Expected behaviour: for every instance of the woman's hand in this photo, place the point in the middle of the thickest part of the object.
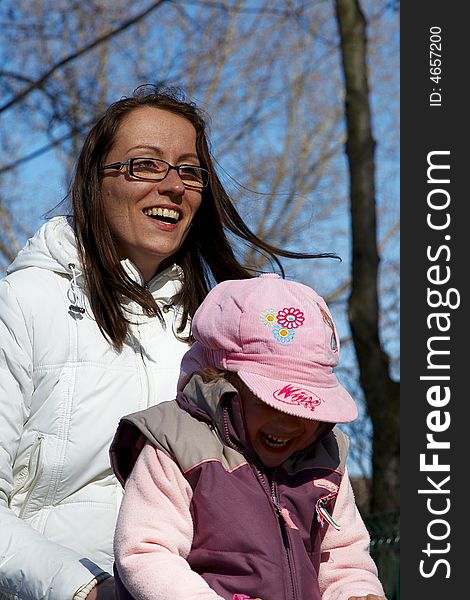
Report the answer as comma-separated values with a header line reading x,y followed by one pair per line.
x,y
103,591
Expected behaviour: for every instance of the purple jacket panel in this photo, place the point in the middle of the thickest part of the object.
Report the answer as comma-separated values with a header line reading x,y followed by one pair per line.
x,y
242,544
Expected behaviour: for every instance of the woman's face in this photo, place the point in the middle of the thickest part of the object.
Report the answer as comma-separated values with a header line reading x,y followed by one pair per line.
x,y
149,240
273,434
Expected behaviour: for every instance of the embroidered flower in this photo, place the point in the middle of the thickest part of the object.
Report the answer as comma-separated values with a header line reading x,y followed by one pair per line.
x,y
268,317
290,317
282,334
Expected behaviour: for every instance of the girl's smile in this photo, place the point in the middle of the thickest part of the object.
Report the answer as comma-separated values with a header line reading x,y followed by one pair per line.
x,y
274,435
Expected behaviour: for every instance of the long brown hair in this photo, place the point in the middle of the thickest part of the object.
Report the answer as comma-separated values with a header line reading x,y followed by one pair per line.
x,y
206,256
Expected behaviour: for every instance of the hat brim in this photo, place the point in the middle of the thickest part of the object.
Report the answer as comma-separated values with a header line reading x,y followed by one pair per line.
x,y
331,405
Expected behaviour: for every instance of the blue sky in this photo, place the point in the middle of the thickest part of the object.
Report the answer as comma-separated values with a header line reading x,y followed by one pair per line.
x,y
167,50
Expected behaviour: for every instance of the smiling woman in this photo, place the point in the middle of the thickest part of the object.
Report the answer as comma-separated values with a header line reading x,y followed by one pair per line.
x,y
149,208
95,316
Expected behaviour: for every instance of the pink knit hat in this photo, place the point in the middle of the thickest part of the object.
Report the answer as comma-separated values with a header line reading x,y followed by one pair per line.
x,y
279,337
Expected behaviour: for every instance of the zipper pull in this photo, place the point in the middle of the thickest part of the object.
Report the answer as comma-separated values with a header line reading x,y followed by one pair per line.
x,y
75,295
284,513
323,515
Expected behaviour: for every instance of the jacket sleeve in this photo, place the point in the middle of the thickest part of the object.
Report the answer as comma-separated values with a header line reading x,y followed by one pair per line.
x,y
348,569
154,533
31,566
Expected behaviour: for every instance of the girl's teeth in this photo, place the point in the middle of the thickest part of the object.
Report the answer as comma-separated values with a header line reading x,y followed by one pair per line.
x,y
275,442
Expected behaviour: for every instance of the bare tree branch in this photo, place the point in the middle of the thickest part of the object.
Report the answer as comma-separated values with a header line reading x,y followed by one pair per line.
x,y
339,291
74,55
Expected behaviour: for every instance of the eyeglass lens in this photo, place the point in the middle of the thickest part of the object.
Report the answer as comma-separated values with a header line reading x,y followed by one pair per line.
x,y
152,168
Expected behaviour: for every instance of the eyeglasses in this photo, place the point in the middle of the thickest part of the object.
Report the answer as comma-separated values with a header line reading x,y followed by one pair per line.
x,y
155,169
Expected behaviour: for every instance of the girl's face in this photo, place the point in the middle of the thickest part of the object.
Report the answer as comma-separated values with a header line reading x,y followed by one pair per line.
x,y
148,239
274,435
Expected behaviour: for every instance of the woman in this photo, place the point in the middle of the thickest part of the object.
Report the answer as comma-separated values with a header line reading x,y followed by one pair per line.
x,y
94,319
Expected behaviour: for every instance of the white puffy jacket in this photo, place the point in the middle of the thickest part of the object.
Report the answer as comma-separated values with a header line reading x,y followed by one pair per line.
x,y
63,389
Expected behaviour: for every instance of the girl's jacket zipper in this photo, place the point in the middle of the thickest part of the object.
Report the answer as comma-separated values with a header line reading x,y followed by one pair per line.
x,y
282,514
285,523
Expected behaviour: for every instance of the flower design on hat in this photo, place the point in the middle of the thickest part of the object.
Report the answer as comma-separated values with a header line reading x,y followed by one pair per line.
x,y
284,322
290,317
268,317
282,334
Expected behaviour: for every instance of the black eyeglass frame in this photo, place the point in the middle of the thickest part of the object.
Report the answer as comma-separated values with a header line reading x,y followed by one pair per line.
x,y
130,164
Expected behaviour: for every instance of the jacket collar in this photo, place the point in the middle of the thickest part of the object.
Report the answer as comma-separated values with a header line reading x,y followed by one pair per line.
x,y
218,401
53,247
163,287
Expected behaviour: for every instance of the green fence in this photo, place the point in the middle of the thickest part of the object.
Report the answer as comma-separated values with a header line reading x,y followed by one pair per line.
x,y
384,530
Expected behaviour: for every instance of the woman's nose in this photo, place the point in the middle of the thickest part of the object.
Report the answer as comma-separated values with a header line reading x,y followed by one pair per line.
x,y
172,184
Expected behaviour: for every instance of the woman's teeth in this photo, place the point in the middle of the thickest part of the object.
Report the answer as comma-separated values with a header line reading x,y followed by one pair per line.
x,y
164,214
274,441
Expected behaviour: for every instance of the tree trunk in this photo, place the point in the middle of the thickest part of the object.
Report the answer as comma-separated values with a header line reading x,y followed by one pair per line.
x,y
381,392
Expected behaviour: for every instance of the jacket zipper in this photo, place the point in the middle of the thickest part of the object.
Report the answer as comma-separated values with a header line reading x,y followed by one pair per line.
x,y
277,508
283,526
145,377
37,473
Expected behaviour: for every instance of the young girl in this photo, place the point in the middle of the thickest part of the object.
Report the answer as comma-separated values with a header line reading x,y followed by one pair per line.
x,y
240,488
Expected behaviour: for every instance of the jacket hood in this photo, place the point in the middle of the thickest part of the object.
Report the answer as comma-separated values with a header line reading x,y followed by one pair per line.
x,y
206,400
216,401
52,248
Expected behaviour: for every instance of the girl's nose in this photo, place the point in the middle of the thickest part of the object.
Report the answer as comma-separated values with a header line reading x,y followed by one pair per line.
x,y
290,422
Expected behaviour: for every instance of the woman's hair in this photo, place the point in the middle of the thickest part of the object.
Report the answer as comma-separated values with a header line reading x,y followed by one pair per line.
x,y
206,254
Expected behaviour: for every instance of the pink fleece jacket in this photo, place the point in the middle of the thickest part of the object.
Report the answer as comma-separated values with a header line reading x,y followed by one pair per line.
x,y
154,534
